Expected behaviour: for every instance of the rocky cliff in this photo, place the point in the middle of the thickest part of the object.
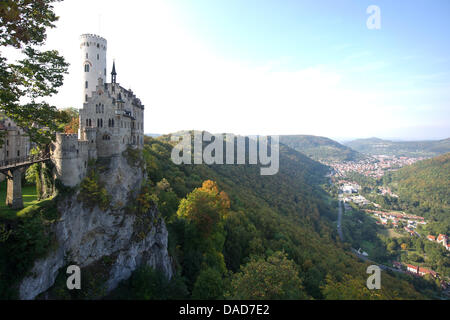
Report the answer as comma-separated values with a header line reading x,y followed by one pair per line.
x,y
88,235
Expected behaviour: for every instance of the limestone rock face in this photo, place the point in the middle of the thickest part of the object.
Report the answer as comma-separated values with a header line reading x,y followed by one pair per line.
x,y
87,235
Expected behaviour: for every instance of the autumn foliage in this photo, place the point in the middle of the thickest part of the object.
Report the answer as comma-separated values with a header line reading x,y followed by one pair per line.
x,y
205,207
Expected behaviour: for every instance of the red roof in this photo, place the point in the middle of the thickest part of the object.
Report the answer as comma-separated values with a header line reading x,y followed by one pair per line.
x,y
410,266
431,237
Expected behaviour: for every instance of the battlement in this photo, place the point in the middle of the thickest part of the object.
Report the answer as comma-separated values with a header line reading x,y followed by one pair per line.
x,y
91,36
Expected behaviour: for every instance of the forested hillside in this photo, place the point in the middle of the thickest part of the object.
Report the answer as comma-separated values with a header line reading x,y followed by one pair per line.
x,y
320,148
236,234
424,189
375,146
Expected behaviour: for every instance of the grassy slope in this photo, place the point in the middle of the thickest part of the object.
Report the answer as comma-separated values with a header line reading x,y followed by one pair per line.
x,y
29,195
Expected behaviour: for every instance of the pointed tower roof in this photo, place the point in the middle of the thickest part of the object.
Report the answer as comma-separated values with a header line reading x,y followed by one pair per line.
x,y
113,72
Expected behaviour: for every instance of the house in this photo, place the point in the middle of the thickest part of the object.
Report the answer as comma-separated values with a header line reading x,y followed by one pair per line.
x,y
397,264
447,247
420,271
431,238
412,269
424,271
442,238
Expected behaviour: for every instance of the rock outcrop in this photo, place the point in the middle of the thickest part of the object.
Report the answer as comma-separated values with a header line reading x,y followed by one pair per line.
x,y
85,235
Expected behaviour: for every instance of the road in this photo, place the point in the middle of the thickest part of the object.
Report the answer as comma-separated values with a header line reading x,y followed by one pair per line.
x,y
339,224
382,266
360,256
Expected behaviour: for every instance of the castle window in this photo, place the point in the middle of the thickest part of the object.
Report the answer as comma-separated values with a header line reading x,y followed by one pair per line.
x,y
90,123
86,67
98,46
86,97
98,56
87,122
86,84
101,123
87,56
18,153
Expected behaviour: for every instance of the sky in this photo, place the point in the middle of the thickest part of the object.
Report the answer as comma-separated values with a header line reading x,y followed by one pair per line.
x,y
271,67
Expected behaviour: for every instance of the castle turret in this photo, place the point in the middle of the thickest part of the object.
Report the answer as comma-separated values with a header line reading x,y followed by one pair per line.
x,y
93,55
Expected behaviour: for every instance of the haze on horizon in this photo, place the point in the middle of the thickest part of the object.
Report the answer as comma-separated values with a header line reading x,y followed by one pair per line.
x,y
271,67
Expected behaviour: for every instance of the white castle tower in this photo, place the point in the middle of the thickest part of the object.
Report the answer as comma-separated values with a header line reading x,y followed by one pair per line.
x,y
93,57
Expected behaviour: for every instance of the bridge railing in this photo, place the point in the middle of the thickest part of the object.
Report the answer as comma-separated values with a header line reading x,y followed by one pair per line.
x,y
20,160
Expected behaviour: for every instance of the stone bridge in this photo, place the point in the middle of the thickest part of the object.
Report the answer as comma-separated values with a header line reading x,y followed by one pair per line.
x,y
13,169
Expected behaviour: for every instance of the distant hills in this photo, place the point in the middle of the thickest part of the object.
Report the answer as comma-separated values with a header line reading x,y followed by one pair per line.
x,y
375,146
321,148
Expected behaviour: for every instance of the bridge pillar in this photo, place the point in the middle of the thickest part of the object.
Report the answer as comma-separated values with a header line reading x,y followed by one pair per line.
x,y
14,189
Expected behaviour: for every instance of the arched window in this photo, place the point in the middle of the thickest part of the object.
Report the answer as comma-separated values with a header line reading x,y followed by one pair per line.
x,y
86,67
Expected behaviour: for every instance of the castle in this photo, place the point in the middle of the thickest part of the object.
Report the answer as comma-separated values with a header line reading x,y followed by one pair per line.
x,y
111,120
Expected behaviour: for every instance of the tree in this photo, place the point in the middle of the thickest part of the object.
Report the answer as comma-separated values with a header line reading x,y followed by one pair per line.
x,y
275,278
205,207
208,286
70,121
25,83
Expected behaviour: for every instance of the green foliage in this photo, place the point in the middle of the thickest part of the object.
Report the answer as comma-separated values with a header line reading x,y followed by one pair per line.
x,y
29,238
320,148
424,189
276,278
287,212
149,284
92,192
24,83
209,285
